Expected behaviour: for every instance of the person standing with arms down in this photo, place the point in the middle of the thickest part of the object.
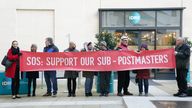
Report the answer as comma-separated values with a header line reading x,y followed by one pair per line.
x,y
123,76
13,71
104,76
32,76
143,75
71,75
50,76
182,54
88,74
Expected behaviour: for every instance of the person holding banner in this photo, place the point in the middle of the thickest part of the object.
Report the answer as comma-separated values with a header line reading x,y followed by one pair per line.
x,y
50,76
182,54
104,76
88,75
123,76
13,71
71,75
32,75
143,75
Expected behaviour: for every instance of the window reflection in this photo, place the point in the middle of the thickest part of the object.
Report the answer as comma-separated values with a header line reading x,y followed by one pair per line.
x,y
112,19
166,38
168,18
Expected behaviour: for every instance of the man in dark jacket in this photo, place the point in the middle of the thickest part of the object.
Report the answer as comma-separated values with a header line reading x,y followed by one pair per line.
x,y
71,75
50,76
182,53
123,76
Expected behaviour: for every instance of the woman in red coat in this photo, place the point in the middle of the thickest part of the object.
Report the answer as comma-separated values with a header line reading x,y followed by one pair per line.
x,y
13,71
143,75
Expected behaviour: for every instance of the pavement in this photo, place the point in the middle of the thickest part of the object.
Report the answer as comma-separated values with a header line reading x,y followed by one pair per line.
x,y
160,96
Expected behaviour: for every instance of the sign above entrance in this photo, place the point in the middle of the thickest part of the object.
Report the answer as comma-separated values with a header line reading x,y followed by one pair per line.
x,y
134,17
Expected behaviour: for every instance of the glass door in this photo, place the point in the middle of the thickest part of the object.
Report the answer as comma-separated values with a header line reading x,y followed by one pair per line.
x,y
136,38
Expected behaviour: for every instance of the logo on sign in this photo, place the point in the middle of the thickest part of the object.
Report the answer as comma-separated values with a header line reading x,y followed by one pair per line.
x,y
134,17
4,83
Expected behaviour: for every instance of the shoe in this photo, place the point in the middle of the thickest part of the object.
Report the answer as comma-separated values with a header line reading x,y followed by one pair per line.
x,y
106,95
140,94
73,95
28,95
90,94
119,94
47,94
87,94
183,95
34,94
128,93
69,95
54,95
101,94
17,96
14,97
146,94
177,94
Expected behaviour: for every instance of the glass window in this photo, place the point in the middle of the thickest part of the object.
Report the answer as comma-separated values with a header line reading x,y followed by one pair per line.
x,y
140,19
166,38
112,19
136,38
117,33
168,18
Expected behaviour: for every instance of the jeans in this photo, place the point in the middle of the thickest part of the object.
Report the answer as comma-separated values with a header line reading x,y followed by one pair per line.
x,y
146,85
88,85
51,81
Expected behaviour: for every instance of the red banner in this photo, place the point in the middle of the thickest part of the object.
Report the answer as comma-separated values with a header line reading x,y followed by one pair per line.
x,y
98,60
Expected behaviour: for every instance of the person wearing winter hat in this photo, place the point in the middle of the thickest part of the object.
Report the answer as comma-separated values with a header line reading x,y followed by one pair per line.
x,y
104,76
123,76
103,45
88,74
143,75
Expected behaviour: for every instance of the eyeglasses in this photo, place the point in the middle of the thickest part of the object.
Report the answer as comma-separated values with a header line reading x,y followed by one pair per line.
x,y
125,40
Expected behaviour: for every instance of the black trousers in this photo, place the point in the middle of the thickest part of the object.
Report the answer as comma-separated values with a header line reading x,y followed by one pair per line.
x,y
181,80
123,81
71,89
30,80
15,83
105,82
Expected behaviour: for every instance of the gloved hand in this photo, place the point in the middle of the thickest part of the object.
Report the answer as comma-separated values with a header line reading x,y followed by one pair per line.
x,y
20,54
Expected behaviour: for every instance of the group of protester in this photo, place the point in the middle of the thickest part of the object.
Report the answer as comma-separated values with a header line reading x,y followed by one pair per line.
x,y
182,53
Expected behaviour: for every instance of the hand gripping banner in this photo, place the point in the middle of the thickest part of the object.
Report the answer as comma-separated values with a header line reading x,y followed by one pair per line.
x,y
98,60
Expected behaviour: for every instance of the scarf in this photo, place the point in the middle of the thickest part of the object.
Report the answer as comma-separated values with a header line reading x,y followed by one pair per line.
x,y
15,51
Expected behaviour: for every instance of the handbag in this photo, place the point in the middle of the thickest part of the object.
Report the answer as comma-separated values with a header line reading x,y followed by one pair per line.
x,y
5,62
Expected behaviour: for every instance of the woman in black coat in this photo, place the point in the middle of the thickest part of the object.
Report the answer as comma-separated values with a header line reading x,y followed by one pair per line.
x,y
71,75
33,75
